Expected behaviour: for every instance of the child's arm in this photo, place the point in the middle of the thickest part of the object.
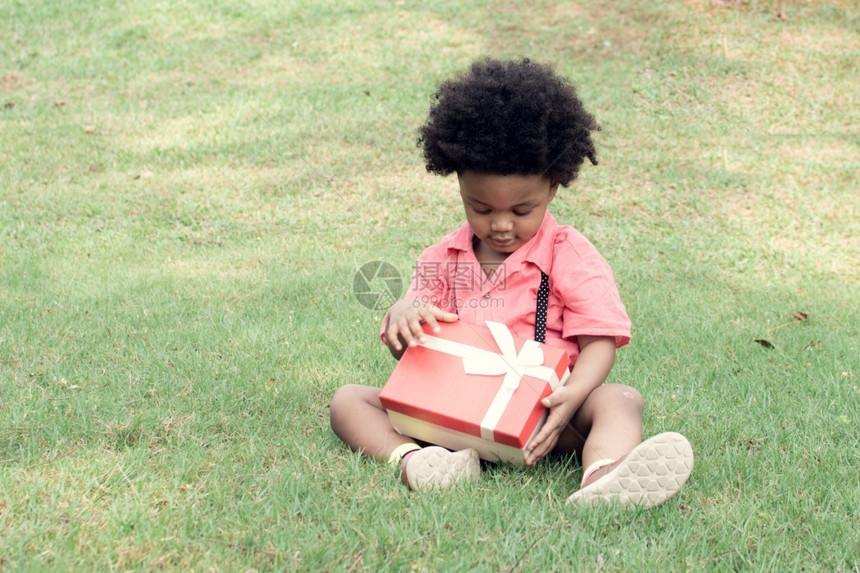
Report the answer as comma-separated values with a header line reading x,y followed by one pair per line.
x,y
595,361
404,324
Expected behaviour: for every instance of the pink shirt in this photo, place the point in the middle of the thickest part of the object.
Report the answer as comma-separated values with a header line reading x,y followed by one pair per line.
x,y
583,296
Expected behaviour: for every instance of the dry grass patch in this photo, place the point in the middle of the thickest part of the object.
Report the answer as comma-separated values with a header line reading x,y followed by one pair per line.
x,y
774,6
10,82
802,219
615,30
405,47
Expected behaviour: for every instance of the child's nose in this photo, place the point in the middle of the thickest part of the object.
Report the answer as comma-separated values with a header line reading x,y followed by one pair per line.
x,y
501,223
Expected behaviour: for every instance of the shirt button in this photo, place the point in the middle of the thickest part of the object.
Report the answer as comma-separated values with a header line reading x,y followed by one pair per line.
x,y
486,295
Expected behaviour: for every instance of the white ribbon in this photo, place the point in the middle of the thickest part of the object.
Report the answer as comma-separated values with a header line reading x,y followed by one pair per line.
x,y
528,362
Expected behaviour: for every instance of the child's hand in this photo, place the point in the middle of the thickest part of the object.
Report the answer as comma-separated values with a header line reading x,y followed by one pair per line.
x,y
404,322
596,357
563,404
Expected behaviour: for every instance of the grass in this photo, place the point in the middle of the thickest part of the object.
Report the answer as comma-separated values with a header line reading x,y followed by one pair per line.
x,y
188,189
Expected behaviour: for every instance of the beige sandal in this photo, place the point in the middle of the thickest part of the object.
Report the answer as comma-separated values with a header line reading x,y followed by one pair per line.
x,y
650,474
435,467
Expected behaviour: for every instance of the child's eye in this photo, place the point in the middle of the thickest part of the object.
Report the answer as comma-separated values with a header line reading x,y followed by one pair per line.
x,y
481,211
522,213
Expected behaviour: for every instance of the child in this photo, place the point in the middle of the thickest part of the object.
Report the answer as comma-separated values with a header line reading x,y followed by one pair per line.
x,y
513,132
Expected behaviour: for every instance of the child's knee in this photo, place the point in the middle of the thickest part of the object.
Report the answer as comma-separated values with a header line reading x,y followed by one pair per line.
x,y
347,398
634,397
626,395
343,397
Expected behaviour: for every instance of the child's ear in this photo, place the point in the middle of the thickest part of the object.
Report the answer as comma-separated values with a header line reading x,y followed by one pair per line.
x,y
553,188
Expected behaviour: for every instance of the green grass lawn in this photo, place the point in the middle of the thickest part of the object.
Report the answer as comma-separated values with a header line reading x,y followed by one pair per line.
x,y
188,188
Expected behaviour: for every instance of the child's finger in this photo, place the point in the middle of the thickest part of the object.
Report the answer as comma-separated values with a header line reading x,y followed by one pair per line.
x,y
435,314
556,398
537,453
537,440
393,335
416,333
405,328
430,319
445,316
544,440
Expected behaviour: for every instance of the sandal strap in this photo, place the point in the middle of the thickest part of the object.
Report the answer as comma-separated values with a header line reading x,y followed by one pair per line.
x,y
594,467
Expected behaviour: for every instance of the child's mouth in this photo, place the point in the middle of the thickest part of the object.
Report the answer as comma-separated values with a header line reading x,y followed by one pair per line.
x,y
502,242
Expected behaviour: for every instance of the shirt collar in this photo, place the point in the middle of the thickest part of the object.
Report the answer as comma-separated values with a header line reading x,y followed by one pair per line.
x,y
538,250
462,239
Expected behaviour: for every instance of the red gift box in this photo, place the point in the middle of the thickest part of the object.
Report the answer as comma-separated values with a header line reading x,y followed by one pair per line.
x,y
475,387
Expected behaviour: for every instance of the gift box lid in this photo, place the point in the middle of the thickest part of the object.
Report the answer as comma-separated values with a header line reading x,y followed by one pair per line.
x,y
432,382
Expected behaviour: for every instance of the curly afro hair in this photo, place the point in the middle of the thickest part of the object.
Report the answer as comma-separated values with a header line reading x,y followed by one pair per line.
x,y
508,118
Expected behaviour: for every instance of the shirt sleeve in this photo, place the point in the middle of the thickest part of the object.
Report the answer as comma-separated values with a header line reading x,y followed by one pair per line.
x,y
582,278
429,282
430,278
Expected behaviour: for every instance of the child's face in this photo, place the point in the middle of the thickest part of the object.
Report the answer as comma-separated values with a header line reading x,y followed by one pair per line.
x,y
505,211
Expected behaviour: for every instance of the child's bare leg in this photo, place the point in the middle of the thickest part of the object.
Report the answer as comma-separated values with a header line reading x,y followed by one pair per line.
x,y
611,420
618,465
606,427
358,418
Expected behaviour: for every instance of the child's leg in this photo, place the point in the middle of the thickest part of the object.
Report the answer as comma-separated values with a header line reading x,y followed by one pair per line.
x,y
606,426
610,421
358,418
617,464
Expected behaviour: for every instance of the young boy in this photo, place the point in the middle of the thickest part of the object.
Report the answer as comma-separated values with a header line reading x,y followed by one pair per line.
x,y
513,132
